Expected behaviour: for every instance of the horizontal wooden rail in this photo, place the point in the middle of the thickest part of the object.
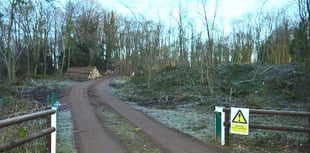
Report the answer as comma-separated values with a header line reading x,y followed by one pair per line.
x,y
20,119
280,128
28,117
275,112
227,111
15,143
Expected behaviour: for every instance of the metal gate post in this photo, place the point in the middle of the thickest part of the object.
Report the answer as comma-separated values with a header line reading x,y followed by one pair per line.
x,y
219,124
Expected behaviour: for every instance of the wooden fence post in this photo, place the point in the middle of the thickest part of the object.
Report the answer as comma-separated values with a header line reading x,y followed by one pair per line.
x,y
227,126
309,132
48,137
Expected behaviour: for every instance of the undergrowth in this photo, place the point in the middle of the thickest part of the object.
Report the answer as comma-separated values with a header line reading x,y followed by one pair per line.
x,y
273,87
253,84
13,106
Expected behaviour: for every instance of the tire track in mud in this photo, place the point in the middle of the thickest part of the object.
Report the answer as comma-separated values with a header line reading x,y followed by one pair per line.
x,y
90,137
130,136
93,106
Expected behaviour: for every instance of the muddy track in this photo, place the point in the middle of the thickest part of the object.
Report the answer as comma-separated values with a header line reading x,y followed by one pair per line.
x,y
91,137
130,136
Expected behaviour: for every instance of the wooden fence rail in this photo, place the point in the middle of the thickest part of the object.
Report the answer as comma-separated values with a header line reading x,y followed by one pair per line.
x,y
24,118
269,127
16,143
16,120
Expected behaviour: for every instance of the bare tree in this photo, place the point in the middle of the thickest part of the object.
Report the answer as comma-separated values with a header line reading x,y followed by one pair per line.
x,y
26,26
183,53
69,27
46,35
207,58
110,29
243,40
304,11
275,47
304,15
11,52
147,41
86,30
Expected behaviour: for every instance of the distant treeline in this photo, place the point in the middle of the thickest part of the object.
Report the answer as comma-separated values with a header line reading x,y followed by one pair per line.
x,y
38,37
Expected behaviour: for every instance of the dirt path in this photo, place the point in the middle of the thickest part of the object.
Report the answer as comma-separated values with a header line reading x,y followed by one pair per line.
x,y
89,136
92,138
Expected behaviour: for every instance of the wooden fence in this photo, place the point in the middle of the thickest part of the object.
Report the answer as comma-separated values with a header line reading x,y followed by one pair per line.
x,y
269,127
20,119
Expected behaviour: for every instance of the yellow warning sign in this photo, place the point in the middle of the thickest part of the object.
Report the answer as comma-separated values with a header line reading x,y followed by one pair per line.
x,y
240,121
239,129
239,118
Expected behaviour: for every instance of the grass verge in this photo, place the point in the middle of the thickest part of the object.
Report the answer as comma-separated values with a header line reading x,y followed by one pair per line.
x,y
134,140
65,137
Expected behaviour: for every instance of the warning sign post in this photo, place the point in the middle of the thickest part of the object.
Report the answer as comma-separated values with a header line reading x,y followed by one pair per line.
x,y
239,123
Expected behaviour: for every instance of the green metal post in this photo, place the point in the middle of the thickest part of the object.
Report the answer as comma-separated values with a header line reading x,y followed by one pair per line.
x,y
54,98
218,123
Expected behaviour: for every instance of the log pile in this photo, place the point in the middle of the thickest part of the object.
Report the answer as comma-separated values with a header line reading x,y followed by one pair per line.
x,y
94,74
108,72
90,72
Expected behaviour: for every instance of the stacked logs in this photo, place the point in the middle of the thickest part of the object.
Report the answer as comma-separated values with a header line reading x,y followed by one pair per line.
x,y
94,74
90,72
108,72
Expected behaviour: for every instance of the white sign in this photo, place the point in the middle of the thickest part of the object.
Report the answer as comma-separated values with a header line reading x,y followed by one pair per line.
x,y
239,121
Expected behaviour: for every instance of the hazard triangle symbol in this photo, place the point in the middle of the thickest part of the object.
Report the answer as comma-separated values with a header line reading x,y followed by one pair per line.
x,y
239,118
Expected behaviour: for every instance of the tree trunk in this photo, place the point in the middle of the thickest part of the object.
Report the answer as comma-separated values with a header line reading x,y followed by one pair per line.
x,y
63,60
45,52
9,54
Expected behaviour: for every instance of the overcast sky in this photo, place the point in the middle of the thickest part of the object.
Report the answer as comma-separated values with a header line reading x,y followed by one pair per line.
x,y
164,10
